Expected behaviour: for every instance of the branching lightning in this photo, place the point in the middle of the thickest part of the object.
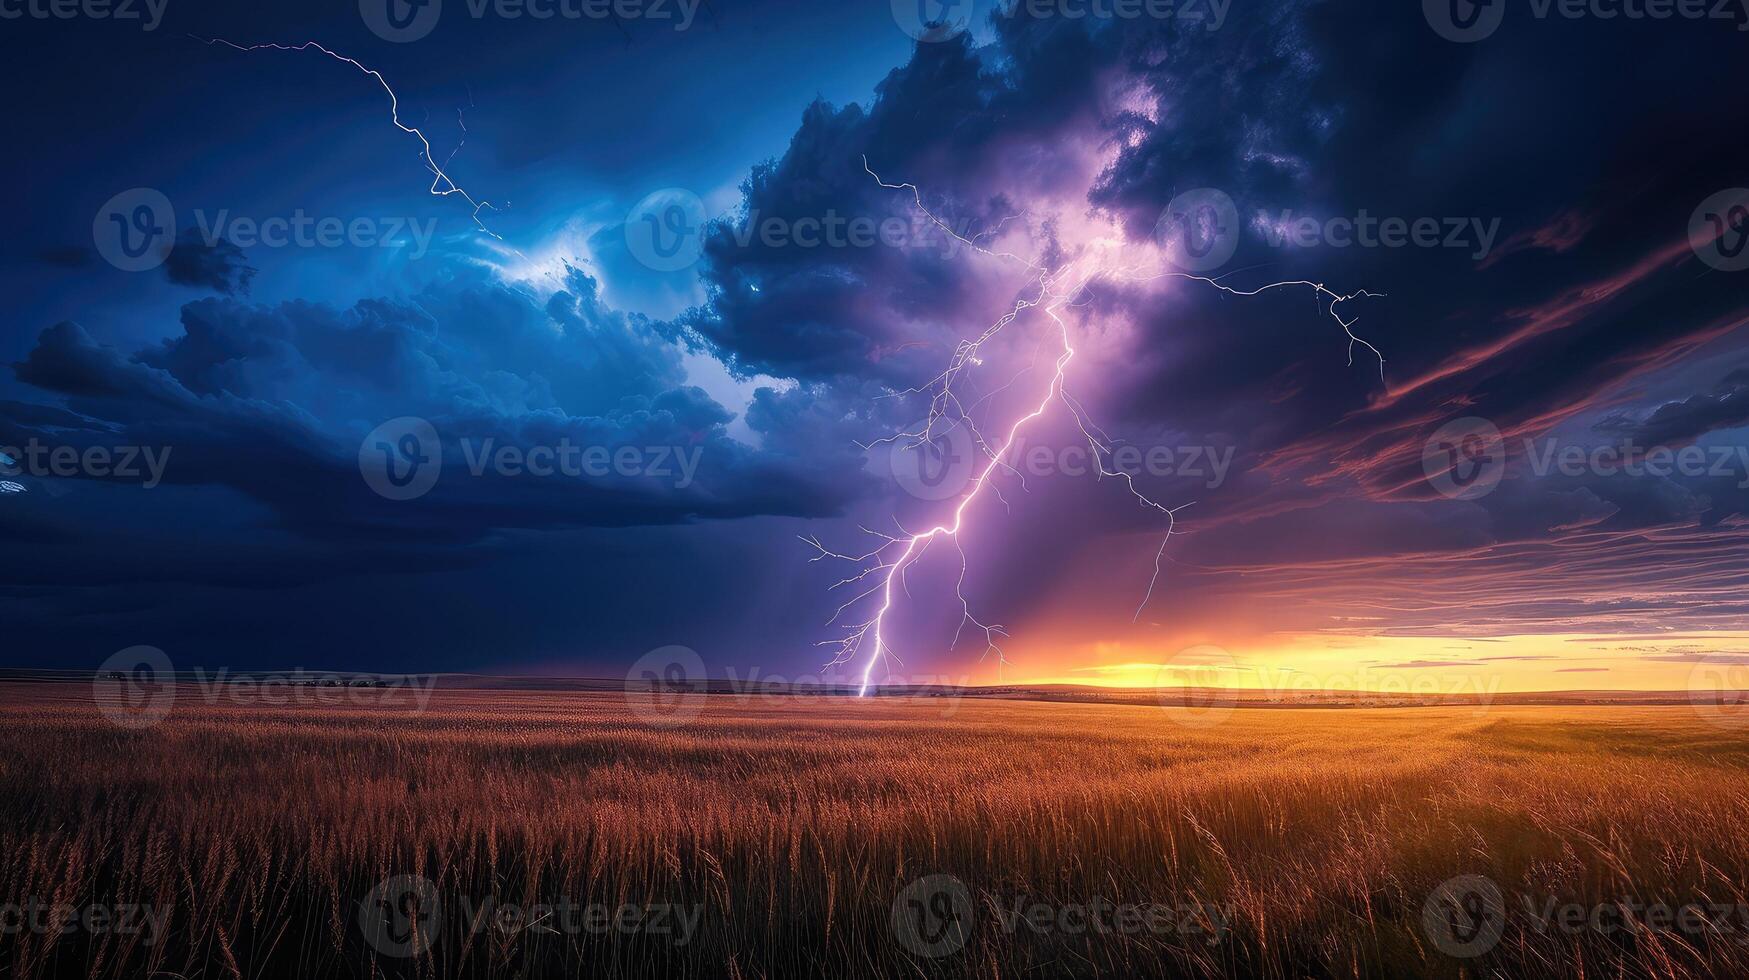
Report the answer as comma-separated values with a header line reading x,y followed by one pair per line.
x,y
1051,290
442,184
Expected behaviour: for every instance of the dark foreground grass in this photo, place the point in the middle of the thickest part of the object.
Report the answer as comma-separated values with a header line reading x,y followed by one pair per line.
x,y
507,834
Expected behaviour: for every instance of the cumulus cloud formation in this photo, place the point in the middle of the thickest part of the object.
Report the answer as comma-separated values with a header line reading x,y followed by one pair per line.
x,y
1583,310
272,402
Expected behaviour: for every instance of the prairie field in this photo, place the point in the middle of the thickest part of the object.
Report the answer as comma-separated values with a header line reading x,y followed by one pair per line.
x,y
529,833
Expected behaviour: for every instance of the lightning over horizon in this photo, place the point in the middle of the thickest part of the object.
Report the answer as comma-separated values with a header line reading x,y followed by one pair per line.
x,y
1055,340
1057,289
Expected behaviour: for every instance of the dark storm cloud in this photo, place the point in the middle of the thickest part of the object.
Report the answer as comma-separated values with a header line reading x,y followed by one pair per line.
x,y
1585,290
1589,296
67,256
949,122
1682,422
272,401
216,265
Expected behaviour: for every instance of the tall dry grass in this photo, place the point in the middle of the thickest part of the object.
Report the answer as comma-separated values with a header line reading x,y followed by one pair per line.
x,y
794,823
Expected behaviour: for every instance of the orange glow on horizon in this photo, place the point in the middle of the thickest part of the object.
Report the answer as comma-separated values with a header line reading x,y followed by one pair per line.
x,y
1397,664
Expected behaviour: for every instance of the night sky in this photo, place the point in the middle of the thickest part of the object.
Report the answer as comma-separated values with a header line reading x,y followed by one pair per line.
x,y
1572,307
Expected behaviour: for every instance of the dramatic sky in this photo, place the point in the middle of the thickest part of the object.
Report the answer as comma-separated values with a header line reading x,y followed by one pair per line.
x,y
1562,300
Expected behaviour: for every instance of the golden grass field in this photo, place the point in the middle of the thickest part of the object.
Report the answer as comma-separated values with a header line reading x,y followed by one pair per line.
x,y
1289,842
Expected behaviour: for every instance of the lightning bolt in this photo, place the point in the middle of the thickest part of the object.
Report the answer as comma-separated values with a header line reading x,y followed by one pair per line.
x,y
442,184
1056,289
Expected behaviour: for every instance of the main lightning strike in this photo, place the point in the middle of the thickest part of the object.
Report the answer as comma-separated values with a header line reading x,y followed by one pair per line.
x,y
1056,289
442,184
